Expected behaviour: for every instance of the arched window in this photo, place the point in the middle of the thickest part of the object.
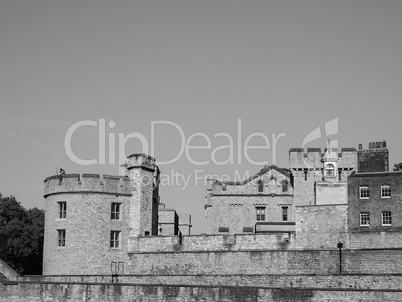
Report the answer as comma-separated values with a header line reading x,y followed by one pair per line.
x,y
330,170
285,186
260,186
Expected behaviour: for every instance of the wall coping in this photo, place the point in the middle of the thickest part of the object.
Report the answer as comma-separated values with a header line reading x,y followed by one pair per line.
x,y
218,286
335,249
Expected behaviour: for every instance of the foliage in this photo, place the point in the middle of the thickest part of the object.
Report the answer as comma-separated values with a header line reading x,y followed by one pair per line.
x,y
398,167
24,231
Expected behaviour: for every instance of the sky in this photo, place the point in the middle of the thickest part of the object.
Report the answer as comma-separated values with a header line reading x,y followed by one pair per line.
x,y
186,73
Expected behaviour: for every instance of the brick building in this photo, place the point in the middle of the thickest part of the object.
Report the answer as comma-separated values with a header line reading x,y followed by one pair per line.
x,y
375,159
375,201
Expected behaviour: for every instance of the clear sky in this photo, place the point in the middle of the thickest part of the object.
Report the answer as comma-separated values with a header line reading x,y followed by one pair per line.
x,y
277,66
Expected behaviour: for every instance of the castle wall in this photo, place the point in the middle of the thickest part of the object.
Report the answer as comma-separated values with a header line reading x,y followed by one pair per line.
x,y
87,223
321,226
356,261
211,243
66,292
364,281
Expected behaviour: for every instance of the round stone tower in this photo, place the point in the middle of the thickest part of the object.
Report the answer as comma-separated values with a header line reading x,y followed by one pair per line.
x,y
89,218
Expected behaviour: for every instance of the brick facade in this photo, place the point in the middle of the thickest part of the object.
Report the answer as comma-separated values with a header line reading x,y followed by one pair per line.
x,y
375,159
375,204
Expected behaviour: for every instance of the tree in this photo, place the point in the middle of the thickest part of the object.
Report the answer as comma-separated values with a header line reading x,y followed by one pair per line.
x,y
398,167
24,231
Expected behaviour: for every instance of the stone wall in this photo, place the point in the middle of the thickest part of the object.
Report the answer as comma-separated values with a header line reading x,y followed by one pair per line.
x,y
211,243
87,225
321,226
239,211
376,261
66,292
381,281
331,193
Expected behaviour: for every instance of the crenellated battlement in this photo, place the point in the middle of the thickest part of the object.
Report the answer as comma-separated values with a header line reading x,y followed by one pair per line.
x,y
140,160
88,183
312,159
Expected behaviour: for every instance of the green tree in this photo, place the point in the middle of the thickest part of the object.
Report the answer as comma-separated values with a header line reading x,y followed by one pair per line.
x,y
24,231
398,167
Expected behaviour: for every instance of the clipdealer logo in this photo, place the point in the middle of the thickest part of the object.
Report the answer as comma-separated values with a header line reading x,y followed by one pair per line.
x,y
241,147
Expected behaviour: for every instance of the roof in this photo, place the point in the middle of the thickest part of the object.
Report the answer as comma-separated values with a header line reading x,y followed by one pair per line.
x,y
263,171
374,174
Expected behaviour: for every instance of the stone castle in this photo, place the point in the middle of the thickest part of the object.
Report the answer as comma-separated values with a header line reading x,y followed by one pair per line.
x,y
325,228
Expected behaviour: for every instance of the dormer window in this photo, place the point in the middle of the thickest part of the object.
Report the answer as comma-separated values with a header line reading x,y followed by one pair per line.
x,y
260,186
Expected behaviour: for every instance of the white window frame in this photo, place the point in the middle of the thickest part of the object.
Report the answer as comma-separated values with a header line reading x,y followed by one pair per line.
x,y
115,211
61,238
62,209
361,191
115,239
383,217
367,215
386,189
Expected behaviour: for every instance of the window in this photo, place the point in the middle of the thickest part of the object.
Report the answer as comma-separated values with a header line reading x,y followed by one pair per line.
x,y
330,170
115,213
386,218
364,192
260,186
385,191
285,186
284,213
364,219
62,209
61,237
223,186
115,239
260,213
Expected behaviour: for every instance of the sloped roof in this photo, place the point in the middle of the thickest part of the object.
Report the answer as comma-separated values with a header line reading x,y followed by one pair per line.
x,y
263,171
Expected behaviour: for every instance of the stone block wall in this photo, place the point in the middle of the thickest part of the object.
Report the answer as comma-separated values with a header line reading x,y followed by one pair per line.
x,y
239,211
66,292
185,224
321,226
331,193
375,261
339,281
87,224
212,243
